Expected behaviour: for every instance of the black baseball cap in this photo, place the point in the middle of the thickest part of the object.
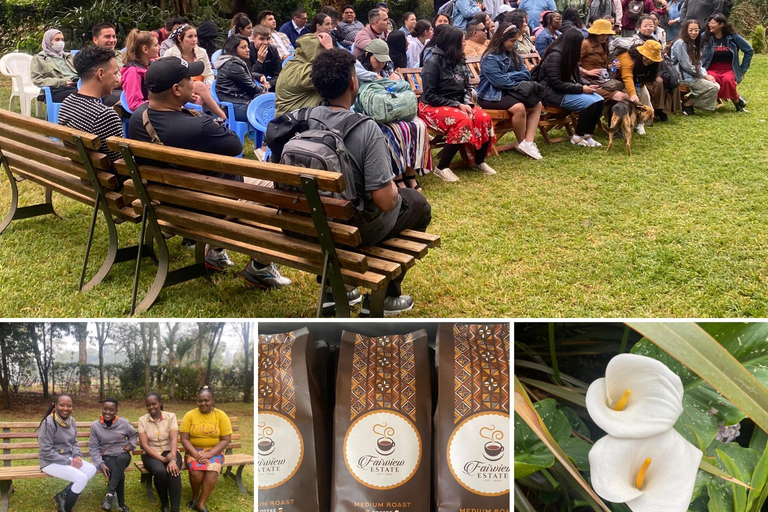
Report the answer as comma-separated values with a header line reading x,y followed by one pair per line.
x,y
163,73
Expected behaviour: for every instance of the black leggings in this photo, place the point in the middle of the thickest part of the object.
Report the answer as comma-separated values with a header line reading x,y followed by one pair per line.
x,y
117,465
165,483
450,150
588,119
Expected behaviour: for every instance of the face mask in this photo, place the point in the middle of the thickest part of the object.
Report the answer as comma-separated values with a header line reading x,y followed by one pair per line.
x,y
57,46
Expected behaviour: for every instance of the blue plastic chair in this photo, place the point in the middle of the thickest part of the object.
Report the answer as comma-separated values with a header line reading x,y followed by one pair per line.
x,y
239,127
194,106
74,52
260,112
290,57
126,122
215,56
51,108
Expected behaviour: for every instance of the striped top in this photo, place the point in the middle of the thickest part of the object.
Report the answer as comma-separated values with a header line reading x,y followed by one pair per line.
x,y
90,115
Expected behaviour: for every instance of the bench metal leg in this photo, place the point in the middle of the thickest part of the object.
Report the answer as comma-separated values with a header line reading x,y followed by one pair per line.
x,y
146,479
332,276
377,303
5,494
238,478
25,212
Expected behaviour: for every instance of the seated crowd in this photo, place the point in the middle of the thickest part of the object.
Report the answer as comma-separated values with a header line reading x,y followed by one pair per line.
x,y
205,433
530,59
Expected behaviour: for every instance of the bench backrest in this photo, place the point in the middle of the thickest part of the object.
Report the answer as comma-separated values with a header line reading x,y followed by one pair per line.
x,y
473,63
531,60
48,154
22,436
187,198
413,77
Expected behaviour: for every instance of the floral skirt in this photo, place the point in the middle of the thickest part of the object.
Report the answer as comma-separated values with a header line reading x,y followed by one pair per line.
x,y
724,75
458,127
408,143
215,463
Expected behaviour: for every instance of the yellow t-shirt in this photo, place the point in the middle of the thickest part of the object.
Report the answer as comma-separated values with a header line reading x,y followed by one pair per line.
x,y
205,430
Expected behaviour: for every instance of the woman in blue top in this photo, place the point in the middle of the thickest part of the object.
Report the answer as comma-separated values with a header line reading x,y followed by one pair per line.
x,y
501,71
672,25
552,23
720,56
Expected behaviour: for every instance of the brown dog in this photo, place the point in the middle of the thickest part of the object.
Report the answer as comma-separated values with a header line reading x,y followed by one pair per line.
x,y
624,116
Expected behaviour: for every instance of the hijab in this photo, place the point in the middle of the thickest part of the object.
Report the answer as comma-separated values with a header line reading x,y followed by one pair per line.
x,y
48,43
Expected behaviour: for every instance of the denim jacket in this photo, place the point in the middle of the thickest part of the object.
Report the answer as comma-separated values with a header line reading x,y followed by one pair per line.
x,y
735,43
463,10
498,74
681,59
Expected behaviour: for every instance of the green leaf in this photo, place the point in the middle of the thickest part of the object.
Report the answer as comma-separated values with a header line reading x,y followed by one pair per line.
x,y
531,454
576,423
559,391
760,473
578,451
703,407
739,493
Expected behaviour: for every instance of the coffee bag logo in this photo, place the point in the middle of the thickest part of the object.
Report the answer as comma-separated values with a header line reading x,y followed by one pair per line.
x,y
477,456
382,449
280,448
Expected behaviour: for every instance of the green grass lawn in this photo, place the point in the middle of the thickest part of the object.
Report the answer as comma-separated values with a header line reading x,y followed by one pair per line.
x,y
36,495
676,230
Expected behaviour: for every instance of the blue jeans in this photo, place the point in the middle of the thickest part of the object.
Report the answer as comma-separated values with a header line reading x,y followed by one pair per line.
x,y
578,102
241,112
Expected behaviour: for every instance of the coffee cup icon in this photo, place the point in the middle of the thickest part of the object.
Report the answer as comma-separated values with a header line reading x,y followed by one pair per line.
x,y
266,446
385,446
493,450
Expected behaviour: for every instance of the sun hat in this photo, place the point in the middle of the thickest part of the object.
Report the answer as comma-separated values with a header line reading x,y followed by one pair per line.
x,y
601,27
651,50
379,49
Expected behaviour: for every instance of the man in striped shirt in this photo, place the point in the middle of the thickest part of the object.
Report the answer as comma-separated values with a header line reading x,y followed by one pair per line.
x,y
84,110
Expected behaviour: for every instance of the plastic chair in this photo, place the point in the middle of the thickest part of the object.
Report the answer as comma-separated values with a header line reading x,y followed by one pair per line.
x,y
51,108
288,58
126,122
215,56
74,52
16,65
260,112
239,127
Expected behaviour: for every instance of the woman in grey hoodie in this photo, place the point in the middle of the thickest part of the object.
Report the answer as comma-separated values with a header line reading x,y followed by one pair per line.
x,y
59,455
111,443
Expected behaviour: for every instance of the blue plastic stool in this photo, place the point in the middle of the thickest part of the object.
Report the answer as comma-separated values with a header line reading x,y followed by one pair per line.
x,y
51,108
239,127
260,112
126,122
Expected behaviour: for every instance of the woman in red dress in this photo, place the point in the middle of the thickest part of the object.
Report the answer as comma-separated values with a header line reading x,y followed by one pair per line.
x,y
720,57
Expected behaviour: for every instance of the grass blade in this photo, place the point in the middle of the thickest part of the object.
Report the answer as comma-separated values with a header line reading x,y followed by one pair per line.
x,y
696,349
739,493
559,391
524,408
546,369
714,470
521,502
553,354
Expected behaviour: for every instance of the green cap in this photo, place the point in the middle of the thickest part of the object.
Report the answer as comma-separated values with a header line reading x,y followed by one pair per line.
x,y
379,49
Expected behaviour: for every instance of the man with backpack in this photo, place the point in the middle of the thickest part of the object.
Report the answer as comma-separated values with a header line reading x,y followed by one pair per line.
x,y
164,120
385,210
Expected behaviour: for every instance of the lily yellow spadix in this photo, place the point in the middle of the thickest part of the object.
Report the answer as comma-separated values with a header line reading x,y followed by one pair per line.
x,y
655,404
622,471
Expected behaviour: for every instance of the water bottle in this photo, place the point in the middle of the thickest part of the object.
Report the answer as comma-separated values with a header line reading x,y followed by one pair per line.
x,y
615,65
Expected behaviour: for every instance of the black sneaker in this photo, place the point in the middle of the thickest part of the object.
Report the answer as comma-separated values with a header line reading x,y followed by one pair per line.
x,y
663,117
742,102
393,306
329,304
688,110
191,505
125,508
107,503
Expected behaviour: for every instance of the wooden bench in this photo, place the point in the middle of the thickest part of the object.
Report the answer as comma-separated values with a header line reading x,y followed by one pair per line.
x,y
68,162
552,118
303,230
21,437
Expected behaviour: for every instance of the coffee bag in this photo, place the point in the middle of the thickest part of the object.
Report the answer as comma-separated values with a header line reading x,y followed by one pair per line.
x,y
472,418
382,427
293,463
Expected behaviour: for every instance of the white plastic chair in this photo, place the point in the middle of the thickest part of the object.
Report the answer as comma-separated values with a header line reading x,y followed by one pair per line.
x,y
16,65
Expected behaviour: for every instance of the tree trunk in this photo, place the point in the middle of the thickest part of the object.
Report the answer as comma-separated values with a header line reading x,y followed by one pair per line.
x,y
248,387
213,347
5,368
42,367
81,333
147,338
102,331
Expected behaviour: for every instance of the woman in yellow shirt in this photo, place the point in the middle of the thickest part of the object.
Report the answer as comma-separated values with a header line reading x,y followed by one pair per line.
x,y
159,438
205,434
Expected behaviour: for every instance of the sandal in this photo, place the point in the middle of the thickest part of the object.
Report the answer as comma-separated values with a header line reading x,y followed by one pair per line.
x,y
412,182
579,141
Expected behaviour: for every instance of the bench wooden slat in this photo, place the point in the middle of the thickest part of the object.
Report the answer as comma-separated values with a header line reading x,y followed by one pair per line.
x,y
326,180
56,147
54,186
342,233
203,223
405,260
87,424
231,460
333,208
90,141
429,239
67,165
408,246
371,280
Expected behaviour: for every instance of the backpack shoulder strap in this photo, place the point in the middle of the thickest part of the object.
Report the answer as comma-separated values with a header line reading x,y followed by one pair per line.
x,y
154,139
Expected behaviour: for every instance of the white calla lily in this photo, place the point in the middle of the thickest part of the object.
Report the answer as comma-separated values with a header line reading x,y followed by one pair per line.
x,y
655,474
639,397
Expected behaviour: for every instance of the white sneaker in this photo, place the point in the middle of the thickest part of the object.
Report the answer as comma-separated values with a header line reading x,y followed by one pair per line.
x,y
640,129
484,168
592,142
529,149
446,174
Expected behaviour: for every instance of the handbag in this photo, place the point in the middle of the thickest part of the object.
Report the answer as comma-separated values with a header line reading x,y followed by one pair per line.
x,y
635,9
528,92
609,84
669,74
